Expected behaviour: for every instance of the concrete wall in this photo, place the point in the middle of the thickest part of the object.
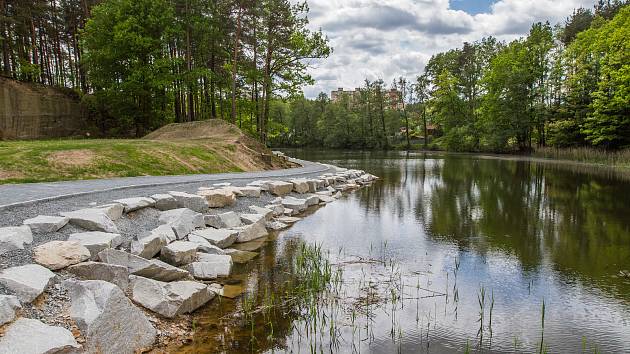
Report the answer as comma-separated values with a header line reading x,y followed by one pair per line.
x,y
30,111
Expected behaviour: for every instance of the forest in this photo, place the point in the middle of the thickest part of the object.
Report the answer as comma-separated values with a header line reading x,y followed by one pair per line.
x,y
140,64
561,86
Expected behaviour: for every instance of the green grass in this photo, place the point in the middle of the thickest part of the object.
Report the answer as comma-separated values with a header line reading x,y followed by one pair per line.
x,y
55,160
620,158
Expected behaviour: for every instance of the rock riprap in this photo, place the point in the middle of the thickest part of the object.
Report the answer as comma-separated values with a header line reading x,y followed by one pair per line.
x,y
190,201
96,241
56,255
14,238
224,220
279,188
164,202
221,264
251,232
92,220
221,238
154,268
27,282
27,336
110,323
182,220
149,245
170,299
218,198
133,204
113,210
179,253
45,224
115,274
8,305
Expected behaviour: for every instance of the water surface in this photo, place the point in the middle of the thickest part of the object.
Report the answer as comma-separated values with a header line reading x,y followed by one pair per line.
x,y
437,236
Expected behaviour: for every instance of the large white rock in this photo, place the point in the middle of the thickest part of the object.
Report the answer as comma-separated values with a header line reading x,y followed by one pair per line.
x,y
295,204
190,201
56,255
92,219
204,246
96,241
324,193
149,245
164,201
45,224
14,238
221,238
137,203
251,232
202,270
218,198
183,221
277,209
170,299
179,253
278,187
113,210
251,191
110,323
8,305
222,264
312,200
265,212
300,185
326,199
112,273
27,336
249,219
154,268
224,220
27,281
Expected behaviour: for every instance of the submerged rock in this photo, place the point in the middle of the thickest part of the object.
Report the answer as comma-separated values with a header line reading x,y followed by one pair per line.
x,y
45,224
27,336
27,282
109,322
170,299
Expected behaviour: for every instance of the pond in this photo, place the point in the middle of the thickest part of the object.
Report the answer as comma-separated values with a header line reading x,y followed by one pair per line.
x,y
446,253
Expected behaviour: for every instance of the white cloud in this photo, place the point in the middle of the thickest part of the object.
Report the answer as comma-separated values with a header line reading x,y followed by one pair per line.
x,y
386,39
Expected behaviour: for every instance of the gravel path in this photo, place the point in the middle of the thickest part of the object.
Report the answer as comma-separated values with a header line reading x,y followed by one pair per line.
x,y
12,195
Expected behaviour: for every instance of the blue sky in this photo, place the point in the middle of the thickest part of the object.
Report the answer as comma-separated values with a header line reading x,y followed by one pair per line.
x,y
473,7
386,39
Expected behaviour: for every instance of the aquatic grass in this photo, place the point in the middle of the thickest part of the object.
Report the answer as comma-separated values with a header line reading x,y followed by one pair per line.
x,y
619,158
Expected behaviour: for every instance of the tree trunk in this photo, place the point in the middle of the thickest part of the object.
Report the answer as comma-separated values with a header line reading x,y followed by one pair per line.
x,y
235,61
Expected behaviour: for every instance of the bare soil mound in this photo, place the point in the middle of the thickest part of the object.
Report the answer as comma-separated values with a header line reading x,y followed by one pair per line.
x,y
224,137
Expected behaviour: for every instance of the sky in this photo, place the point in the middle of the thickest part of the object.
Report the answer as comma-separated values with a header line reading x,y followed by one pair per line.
x,y
385,39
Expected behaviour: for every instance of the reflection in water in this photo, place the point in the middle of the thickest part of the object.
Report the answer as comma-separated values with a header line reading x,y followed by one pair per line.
x,y
518,231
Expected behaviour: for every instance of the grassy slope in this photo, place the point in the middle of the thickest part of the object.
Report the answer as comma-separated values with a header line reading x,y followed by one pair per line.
x,y
55,160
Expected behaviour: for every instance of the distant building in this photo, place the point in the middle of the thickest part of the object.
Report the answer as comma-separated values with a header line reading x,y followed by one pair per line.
x,y
392,97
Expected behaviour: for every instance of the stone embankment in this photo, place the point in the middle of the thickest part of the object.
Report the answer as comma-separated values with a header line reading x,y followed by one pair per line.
x,y
78,282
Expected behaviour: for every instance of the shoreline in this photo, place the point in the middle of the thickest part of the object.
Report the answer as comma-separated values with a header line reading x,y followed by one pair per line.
x,y
252,211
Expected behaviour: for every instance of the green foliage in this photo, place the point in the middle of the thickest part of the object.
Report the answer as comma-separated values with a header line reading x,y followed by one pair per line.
x,y
126,55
